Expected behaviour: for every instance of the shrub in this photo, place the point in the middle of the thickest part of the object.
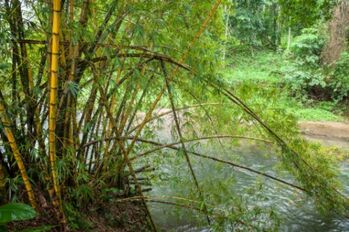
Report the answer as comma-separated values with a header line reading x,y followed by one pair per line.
x,y
340,78
306,74
303,73
307,47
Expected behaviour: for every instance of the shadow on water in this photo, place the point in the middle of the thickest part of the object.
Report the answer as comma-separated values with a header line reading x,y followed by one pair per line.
x,y
295,210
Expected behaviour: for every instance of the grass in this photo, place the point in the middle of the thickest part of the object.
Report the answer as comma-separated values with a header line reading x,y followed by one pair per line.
x,y
314,114
264,69
264,66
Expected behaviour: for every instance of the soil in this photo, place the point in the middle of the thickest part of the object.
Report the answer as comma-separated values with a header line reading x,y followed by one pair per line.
x,y
327,133
127,216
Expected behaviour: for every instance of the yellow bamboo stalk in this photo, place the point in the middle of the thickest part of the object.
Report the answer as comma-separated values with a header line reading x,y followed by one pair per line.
x,y
17,155
53,98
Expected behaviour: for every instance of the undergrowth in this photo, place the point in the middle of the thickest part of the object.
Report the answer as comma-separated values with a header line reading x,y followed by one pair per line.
x,y
264,74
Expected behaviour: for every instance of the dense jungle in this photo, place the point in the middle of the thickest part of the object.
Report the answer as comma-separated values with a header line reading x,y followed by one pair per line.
x,y
174,115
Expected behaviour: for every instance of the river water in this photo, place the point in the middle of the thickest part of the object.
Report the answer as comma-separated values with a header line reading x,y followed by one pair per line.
x,y
295,211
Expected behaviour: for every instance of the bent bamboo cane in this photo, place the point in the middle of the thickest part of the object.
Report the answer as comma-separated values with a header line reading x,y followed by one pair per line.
x,y
17,155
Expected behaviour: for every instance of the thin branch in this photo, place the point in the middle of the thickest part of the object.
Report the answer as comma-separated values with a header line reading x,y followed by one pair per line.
x,y
226,162
175,143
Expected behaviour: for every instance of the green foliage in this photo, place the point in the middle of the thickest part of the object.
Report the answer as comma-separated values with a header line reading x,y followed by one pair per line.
x,y
307,47
306,75
315,170
13,212
254,23
311,167
310,164
316,113
339,81
72,87
76,219
242,67
233,218
304,72
303,14
16,212
118,54
258,81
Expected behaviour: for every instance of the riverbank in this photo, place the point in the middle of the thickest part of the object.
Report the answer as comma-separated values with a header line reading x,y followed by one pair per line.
x,y
327,133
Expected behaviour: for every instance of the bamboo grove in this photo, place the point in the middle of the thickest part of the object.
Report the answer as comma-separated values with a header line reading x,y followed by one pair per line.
x,y
82,84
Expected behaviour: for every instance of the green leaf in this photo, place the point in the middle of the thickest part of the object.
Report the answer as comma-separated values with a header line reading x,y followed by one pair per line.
x,y
16,212
73,88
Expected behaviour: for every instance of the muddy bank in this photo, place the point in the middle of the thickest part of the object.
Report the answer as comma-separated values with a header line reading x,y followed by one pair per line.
x,y
327,133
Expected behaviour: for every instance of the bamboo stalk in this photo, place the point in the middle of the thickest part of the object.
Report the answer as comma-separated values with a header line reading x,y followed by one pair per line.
x,y
124,152
53,101
17,155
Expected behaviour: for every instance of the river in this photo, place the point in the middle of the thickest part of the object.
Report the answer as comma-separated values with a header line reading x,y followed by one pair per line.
x,y
294,209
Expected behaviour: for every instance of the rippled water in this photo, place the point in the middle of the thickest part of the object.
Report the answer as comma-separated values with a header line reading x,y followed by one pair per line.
x,y
296,211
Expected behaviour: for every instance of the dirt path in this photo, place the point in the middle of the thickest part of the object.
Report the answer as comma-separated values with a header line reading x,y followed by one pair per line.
x,y
327,133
